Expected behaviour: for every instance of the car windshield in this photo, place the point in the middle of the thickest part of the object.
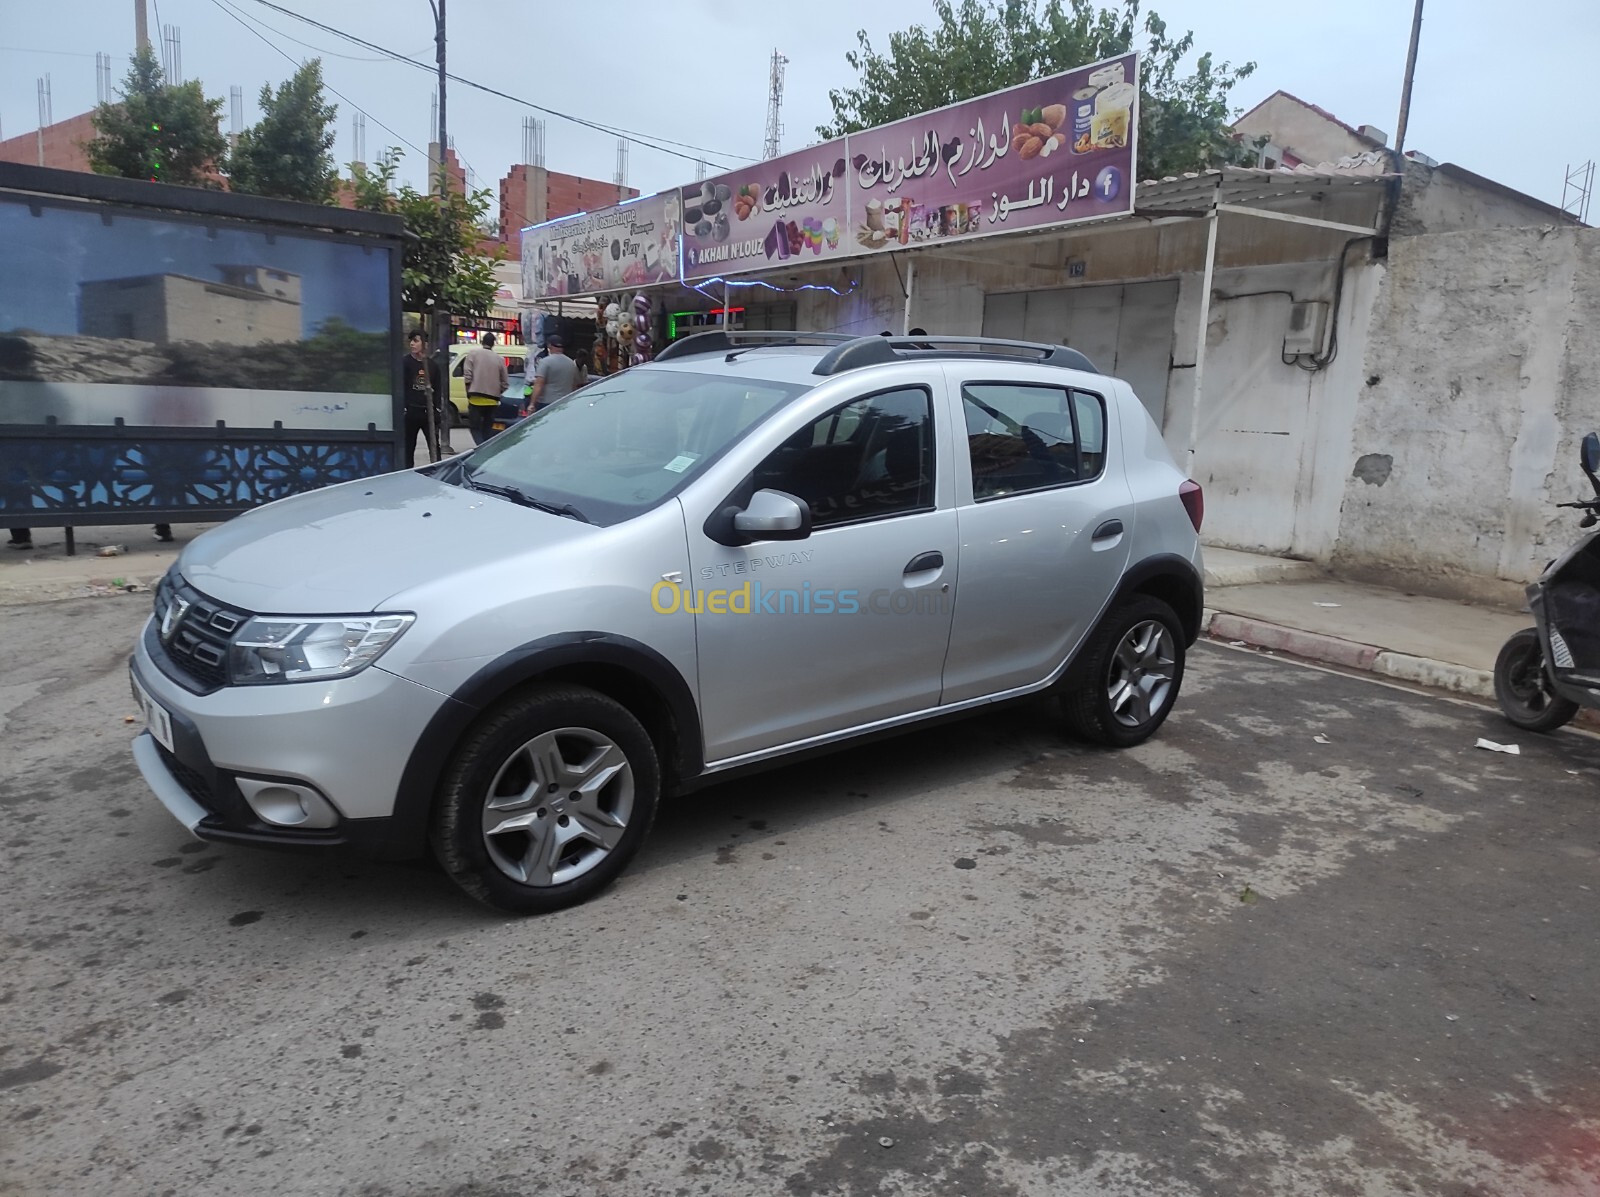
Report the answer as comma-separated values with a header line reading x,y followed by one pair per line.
x,y
622,444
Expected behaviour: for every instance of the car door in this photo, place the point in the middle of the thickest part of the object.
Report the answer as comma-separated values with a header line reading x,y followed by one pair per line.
x,y
1045,517
805,638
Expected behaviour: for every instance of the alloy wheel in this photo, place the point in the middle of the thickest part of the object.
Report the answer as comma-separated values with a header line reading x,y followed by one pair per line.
x,y
1141,675
558,806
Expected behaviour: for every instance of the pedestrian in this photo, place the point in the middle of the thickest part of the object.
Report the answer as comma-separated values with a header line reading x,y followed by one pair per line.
x,y
487,379
21,538
420,383
556,376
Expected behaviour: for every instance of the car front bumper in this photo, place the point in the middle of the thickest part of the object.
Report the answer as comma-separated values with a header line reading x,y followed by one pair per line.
x,y
348,741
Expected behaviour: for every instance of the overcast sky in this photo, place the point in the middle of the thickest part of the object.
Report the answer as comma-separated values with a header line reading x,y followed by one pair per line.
x,y
695,71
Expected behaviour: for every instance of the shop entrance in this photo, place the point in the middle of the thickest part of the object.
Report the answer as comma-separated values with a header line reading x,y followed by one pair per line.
x,y
1124,328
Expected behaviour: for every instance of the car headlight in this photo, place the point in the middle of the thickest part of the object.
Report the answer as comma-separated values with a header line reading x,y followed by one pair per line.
x,y
281,649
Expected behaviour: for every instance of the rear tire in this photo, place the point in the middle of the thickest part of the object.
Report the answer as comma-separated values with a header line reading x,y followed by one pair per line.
x,y
1125,682
546,800
1522,686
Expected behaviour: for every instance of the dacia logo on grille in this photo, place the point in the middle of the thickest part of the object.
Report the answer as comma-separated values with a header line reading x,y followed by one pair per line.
x,y
172,620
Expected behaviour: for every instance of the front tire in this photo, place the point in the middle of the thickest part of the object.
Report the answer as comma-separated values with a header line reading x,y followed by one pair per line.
x,y
1124,685
546,800
1522,686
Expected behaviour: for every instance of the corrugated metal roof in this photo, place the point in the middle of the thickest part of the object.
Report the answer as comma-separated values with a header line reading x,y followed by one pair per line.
x,y
1245,185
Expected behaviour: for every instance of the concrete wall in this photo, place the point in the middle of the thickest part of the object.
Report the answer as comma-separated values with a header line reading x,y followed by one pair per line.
x,y
1447,199
1273,438
1481,376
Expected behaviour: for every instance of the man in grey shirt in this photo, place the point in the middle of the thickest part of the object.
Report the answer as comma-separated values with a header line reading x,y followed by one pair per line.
x,y
555,377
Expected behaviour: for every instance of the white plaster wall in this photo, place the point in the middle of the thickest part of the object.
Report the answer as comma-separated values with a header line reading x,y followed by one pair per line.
x,y
1308,134
1273,439
1482,373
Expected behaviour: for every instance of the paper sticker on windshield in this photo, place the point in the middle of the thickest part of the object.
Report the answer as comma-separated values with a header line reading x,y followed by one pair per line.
x,y
680,463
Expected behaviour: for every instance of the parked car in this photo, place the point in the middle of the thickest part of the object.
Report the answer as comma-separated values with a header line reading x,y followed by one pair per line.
x,y
754,547
516,360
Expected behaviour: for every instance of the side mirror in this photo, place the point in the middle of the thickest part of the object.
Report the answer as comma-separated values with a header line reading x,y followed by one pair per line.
x,y
773,515
1590,454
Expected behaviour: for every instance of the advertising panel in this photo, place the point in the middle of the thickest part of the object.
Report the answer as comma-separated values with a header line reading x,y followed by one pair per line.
x,y
630,245
793,207
167,364
1043,153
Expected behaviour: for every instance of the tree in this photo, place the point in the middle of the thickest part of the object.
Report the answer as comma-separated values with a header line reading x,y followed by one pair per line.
x,y
286,153
443,240
981,46
168,133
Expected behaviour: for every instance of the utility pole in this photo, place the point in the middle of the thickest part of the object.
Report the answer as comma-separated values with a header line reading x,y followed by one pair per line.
x,y
441,312
141,25
1405,90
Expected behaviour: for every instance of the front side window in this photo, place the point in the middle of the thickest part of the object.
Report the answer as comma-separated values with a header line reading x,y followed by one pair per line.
x,y
622,444
868,459
1023,437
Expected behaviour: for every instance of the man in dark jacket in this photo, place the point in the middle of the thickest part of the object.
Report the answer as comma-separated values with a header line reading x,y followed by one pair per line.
x,y
421,382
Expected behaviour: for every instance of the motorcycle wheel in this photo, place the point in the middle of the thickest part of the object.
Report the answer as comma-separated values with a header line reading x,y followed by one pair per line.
x,y
1522,686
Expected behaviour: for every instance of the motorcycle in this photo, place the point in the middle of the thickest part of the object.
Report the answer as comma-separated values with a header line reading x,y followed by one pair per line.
x,y
1545,673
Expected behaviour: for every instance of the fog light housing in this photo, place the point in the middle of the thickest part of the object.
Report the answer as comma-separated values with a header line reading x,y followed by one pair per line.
x,y
287,804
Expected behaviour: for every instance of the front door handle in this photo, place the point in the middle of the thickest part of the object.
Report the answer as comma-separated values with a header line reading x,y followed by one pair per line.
x,y
1108,529
924,562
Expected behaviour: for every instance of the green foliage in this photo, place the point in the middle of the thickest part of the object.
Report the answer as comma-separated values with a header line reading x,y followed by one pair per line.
x,y
446,239
979,46
158,131
286,154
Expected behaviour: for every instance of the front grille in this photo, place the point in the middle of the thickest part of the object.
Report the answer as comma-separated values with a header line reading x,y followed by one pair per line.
x,y
192,782
195,630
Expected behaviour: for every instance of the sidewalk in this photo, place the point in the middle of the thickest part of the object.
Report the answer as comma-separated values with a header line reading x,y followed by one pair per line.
x,y
1295,608
46,572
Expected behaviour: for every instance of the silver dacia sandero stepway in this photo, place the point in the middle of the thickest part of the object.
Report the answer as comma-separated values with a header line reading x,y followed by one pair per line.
x,y
756,546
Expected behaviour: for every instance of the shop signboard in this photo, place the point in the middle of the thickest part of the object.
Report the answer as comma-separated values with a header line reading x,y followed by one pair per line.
x,y
786,211
632,244
1048,152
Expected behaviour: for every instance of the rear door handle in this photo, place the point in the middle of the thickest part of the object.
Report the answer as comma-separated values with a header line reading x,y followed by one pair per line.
x,y
1108,529
924,562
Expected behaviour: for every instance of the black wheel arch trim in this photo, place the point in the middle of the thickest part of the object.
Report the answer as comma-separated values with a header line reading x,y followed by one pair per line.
x,y
1183,576
407,829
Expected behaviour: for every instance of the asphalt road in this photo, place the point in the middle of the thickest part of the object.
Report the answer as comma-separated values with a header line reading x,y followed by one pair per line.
x,y
980,960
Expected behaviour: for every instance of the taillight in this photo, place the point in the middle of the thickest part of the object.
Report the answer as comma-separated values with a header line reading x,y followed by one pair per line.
x,y
1194,501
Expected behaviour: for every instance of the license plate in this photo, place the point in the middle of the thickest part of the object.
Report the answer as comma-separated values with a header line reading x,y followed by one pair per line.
x,y
156,718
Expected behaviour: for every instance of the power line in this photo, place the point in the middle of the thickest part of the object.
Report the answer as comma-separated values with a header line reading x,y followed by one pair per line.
x,y
659,144
279,49
330,53
32,50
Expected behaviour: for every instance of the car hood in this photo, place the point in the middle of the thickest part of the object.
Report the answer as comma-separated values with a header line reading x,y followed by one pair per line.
x,y
348,548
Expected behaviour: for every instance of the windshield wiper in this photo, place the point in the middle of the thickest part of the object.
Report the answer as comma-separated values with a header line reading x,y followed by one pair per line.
x,y
527,500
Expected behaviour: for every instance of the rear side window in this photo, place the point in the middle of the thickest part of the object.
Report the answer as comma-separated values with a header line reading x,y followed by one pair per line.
x,y
1022,437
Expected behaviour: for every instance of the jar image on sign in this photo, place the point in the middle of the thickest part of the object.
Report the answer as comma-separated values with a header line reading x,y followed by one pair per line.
x,y
1113,111
1081,111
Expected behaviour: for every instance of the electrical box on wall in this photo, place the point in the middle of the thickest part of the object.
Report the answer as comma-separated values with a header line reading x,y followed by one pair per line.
x,y
1308,321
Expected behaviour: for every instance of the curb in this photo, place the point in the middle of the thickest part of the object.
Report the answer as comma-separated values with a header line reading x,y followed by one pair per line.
x,y
1315,646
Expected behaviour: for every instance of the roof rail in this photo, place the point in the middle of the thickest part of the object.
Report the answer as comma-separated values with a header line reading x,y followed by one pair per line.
x,y
723,342
876,351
